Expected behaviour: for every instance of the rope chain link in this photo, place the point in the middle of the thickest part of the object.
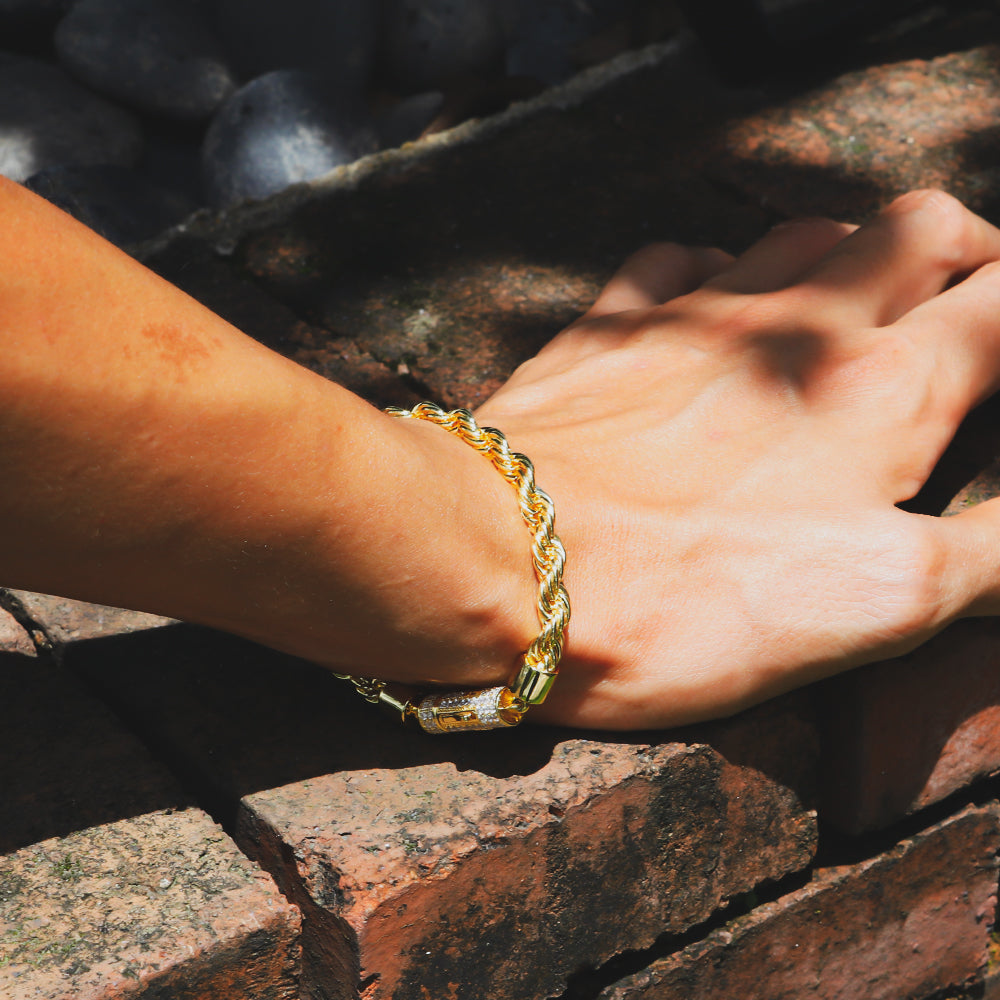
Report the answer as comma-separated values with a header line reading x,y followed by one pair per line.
x,y
502,706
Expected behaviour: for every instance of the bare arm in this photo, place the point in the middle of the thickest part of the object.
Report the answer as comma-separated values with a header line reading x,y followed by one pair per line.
x,y
154,457
725,443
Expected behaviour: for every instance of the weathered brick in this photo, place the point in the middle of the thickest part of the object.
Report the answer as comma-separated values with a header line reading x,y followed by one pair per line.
x,y
13,637
908,923
62,620
847,147
466,884
111,883
512,858
153,906
908,732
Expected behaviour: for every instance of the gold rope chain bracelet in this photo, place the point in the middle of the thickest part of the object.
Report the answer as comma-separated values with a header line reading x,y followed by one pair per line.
x,y
504,706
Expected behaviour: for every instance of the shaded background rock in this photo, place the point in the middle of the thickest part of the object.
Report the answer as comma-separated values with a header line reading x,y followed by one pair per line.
x,y
424,43
335,38
379,75
50,121
283,128
156,54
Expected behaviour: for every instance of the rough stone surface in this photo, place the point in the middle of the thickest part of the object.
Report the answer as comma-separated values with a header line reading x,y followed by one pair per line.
x,y
157,905
111,884
453,265
461,883
283,128
67,764
158,55
908,923
63,620
903,734
500,849
846,148
13,637
51,121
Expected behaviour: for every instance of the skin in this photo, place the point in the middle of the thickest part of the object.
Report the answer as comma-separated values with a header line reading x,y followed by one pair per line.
x,y
725,441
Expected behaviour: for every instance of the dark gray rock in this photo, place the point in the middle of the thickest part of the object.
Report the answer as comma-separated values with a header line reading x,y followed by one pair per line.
x,y
159,55
281,128
407,119
336,37
542,35
116,202
427,42
48,120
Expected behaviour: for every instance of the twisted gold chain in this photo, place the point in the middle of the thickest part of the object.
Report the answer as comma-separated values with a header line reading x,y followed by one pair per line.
x,y
499,707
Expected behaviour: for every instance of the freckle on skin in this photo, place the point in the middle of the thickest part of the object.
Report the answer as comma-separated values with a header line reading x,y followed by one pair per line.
x,y
176,346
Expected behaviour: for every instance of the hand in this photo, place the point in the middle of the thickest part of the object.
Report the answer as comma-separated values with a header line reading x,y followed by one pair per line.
x,y
726,442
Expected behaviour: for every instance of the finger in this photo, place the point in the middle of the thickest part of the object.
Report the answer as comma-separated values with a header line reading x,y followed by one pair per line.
x,y
920,244
782,256
655,274
959,331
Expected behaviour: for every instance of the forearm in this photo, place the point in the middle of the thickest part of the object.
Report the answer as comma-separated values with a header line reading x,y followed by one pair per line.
x,y
154,457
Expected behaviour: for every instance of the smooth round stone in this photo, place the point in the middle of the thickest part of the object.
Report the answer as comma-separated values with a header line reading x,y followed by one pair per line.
x,y
280,129
158,55
49,120
336,37
426,42
122,206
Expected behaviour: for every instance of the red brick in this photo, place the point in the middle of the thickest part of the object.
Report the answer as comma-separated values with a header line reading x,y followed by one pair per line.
x,y
908,923
908,732
846,148
150,906
111,883
458,883
14,638
903,734
63,621
549,848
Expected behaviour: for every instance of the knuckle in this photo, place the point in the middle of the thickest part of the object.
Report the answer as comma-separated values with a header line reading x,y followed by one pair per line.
x,y
937,218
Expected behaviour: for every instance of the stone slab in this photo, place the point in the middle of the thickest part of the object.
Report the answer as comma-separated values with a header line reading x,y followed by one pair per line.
x,y
906,733
61,620
454,259
849,146
512,861
13,637
909,923
112,883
